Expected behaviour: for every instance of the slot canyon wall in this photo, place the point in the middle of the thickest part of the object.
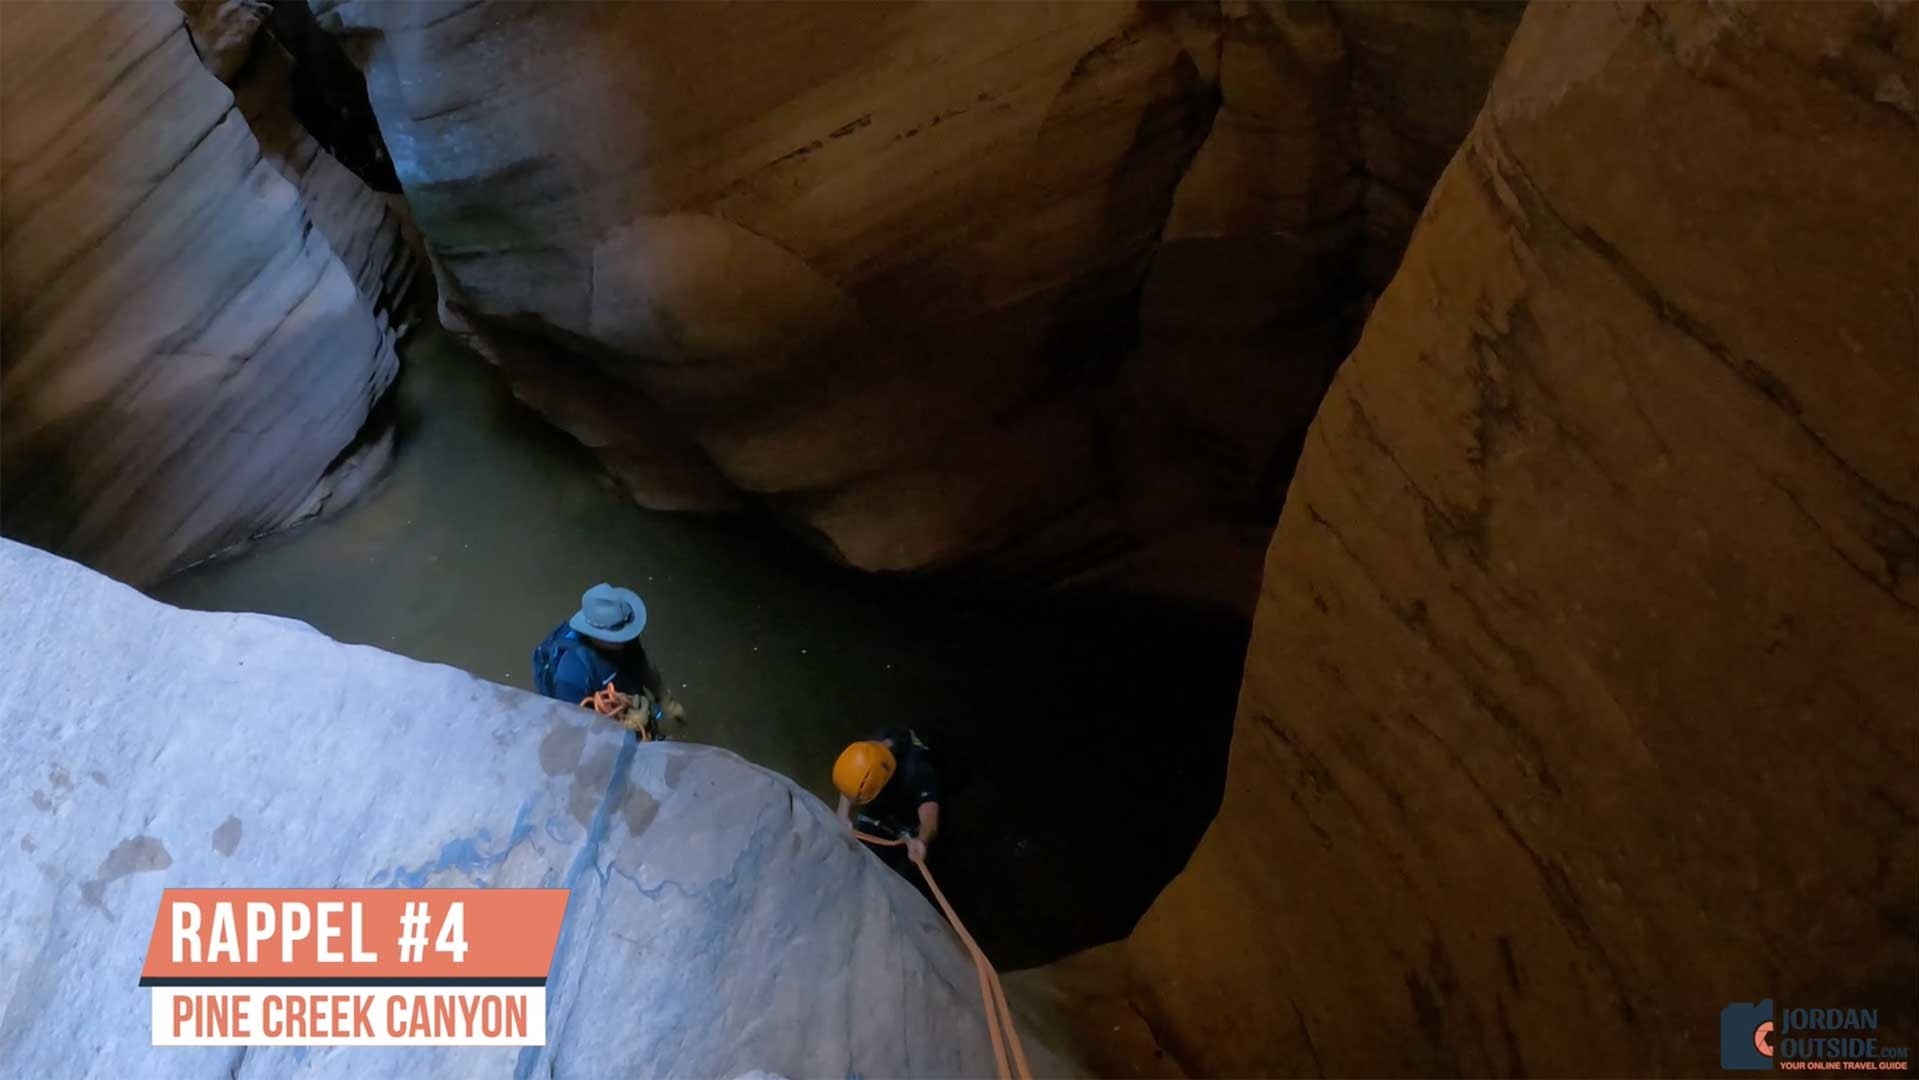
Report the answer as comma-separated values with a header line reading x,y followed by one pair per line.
x,y
1580,695
1034,293
198,314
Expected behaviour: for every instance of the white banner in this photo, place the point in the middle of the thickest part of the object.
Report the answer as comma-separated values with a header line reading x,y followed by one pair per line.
x,y
349,1016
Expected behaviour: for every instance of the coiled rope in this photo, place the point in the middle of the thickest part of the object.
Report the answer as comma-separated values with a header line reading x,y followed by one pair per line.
x,y
627,710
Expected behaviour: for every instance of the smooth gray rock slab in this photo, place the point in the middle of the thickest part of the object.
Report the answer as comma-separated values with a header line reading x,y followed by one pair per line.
x,y
721,922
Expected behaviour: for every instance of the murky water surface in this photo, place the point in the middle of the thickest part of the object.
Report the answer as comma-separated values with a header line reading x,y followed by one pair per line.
x,y
1086,739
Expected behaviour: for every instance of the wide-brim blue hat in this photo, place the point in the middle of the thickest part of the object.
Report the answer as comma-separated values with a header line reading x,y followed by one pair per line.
x,y
609,613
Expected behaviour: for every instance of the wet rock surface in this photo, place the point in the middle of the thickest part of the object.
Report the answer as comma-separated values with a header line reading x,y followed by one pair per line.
x,y
721,920
188,362
1578,701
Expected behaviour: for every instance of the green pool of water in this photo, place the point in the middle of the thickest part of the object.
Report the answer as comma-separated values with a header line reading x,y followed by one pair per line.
x,y
1086,736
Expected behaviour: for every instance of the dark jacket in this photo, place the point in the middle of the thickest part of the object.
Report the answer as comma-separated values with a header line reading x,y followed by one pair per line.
x,y
579,669
915,782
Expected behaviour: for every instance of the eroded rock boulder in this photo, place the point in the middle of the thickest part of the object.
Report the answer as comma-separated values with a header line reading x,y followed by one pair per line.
x,y
187,363
1580,695
1040,292
721,920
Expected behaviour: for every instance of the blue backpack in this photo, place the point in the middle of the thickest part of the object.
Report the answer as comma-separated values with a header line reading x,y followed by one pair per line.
x,y
546,658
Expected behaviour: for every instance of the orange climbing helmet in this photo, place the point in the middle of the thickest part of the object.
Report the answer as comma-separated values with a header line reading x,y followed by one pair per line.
x,y
862,770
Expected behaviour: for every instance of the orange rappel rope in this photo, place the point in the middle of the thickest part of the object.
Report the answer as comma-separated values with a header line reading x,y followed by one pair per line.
x,y
613,705
610,703
998,1014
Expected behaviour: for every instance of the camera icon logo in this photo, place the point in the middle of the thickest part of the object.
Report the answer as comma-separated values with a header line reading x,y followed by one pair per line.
x,y
1745,1035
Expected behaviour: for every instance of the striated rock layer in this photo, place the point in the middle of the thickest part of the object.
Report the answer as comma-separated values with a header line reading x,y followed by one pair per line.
x,y
187,361
1580,695
1038,292
288,79
721,920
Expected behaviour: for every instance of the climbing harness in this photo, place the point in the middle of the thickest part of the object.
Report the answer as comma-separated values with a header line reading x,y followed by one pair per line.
x,y
633,712
998,1014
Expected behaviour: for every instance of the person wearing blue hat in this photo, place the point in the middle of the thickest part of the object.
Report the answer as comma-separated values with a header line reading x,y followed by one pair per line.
x,y
599,647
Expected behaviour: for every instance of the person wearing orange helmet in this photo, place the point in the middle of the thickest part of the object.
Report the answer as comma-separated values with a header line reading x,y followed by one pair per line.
x,y
889,786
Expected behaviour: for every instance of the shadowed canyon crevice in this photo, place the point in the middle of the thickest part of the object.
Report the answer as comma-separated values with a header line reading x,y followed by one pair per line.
x,y
1578,686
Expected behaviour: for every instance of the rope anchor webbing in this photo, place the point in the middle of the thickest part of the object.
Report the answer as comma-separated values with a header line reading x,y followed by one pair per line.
x,y
999,1016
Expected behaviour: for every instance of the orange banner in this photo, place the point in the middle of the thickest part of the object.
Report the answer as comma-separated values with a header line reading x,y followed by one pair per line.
x,y
230,935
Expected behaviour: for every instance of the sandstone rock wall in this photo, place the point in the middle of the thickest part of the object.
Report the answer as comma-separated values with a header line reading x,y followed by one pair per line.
x,y
1580,695
185,357
285,74
721,921
1039,292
